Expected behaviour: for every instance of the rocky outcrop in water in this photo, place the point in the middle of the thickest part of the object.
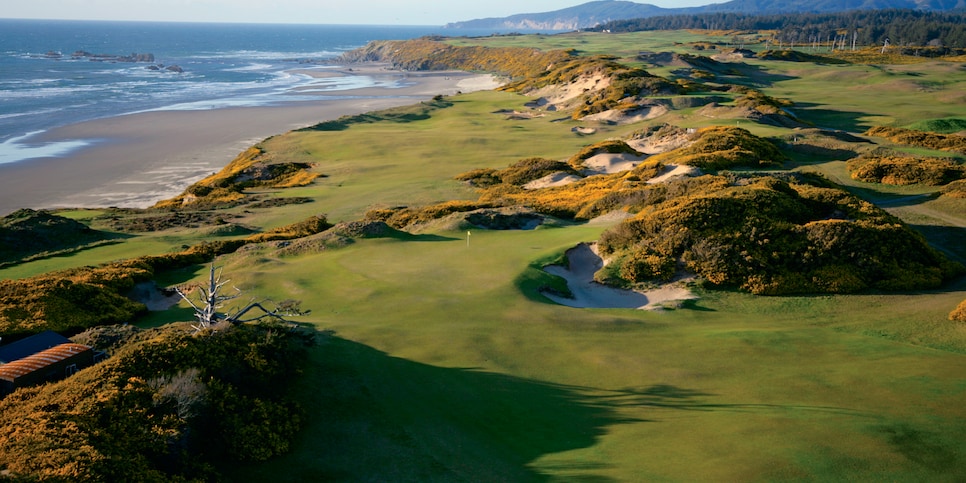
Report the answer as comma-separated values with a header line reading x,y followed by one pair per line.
x,y
134,57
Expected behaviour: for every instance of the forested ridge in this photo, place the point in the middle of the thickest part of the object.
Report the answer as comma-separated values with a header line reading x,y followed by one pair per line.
x,y
866,27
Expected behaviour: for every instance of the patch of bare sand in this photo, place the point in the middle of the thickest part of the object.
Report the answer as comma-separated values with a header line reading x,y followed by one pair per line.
x,y
479,83
610,163
561,94
659,144
673,171
584,262
552,180
519,115
620,116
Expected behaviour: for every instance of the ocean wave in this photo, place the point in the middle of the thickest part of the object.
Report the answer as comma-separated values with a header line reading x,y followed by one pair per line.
x,y
250,67
38,112
268,55
15,149
48,92
14,84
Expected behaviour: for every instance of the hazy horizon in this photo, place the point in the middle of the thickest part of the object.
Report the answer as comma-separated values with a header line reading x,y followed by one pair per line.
x,y
361,12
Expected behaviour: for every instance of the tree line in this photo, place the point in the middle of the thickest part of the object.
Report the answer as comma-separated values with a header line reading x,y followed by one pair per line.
x,y
859,27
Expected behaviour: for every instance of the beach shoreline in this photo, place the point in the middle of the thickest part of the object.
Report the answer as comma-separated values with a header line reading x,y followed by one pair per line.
x,y
135,160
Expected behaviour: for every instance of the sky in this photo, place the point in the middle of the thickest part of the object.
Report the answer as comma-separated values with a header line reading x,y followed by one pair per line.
x,y
367,12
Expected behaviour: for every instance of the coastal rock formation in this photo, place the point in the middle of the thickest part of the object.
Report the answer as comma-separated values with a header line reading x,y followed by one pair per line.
x,y
170,68
134,57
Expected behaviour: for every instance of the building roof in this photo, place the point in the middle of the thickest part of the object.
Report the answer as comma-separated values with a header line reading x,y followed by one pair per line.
x,y
11,371
31,345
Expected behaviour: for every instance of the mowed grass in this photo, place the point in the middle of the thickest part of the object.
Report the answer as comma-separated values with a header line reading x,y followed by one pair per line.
x,y
625,44
441,368
391,163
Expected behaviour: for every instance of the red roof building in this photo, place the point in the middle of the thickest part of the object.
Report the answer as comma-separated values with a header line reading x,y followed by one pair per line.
x,y
50,364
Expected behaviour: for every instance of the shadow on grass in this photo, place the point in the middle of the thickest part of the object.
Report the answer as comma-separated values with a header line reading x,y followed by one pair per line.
x,y
373,417
885,199
831,118
425,237
401,115
948,239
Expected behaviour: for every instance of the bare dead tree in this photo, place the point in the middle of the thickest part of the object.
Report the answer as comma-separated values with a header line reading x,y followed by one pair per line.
x,y
185,390
211,299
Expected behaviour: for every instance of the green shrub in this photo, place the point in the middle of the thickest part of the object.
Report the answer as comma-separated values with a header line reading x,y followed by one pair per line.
x,y
167,406
959,313
941,142
906,170
774,236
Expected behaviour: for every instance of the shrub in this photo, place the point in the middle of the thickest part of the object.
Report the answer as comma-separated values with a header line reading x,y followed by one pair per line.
x,y
531,169
253,167
644,265
610,146
309,226
167,406
26,234
941,142
722,147
956,189
906,170
959,313
774,236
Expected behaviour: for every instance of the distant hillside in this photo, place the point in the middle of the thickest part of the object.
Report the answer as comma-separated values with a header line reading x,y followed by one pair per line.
x,y
594,13
573,18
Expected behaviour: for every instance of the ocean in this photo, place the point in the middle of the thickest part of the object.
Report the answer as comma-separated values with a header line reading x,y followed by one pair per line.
x,y
56,73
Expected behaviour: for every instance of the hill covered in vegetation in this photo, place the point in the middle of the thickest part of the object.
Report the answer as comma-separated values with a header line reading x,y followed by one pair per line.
x,y
166,406
27,234
769,234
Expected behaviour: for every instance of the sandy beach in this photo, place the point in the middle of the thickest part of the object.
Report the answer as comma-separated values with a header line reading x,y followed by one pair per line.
x,y
137,159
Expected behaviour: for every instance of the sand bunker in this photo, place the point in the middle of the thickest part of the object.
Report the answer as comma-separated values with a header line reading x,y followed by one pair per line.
x,y
620,116
584,262
673,171
561,94
552,180
660,144
610,163
519,115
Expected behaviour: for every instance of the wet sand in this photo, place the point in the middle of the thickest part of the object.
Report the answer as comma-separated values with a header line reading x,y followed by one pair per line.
x,y
136,160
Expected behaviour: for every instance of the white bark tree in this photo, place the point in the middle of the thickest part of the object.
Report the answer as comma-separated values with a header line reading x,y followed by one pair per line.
x,y
211,299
